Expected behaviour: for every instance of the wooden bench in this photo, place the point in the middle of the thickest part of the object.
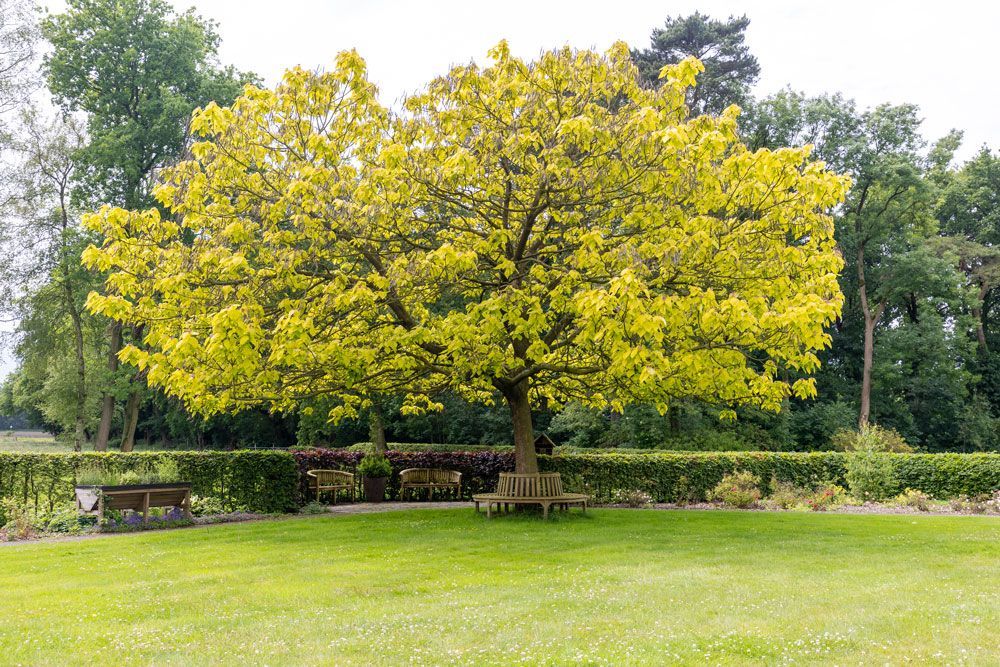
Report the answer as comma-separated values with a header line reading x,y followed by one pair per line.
x,y
93,500
430,479
544,488
321,481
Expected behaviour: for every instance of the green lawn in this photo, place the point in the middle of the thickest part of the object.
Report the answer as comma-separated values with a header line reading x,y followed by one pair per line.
x,y
446,586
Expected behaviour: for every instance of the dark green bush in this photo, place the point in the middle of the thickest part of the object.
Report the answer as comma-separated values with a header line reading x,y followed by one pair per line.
x,y
259,481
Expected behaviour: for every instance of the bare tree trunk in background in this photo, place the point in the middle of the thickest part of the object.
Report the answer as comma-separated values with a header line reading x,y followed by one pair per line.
x,y
79,435
108,402
133,402
131,421
977,312
871,319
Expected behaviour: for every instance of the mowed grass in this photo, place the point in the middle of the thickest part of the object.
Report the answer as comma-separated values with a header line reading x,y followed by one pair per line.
x,y
448,586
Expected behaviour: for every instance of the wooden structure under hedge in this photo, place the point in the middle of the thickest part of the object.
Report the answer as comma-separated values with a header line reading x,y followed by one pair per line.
x,y
93,500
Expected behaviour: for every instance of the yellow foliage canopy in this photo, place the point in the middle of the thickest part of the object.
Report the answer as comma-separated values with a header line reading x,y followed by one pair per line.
x,y
546,226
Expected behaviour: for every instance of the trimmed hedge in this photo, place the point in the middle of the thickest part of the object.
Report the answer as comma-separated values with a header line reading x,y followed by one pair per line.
x,y
274,481
258,481
426,447
480,469
670,477
676,476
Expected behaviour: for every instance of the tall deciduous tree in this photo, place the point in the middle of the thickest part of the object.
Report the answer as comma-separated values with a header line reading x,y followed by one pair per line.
x,y
137,70
970,218
18,47
904,295
41,280
730,68
538,231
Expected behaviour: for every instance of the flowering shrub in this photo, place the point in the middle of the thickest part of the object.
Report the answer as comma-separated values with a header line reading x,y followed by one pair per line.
x,y
17,519
914,498
122,522
827,497
738,489
206,506
974,505
993,504
786,496
632,498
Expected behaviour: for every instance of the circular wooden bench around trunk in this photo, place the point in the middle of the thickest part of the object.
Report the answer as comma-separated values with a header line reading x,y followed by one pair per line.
x,y
543,488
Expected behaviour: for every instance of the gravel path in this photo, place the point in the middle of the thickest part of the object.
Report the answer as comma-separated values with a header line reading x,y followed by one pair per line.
x,y
368,508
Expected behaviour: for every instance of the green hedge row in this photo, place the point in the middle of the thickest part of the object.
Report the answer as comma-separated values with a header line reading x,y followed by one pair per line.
x,y
268,480
257,481
419,447
678,476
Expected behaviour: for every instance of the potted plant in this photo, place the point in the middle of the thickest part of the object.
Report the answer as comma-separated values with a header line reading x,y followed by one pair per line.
x,y
375,470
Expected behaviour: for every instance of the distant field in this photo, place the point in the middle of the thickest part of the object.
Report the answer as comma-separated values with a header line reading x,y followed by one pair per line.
x,y
38,441
31,441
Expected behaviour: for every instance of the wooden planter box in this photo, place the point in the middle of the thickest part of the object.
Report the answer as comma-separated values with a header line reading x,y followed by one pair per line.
x,y
93,500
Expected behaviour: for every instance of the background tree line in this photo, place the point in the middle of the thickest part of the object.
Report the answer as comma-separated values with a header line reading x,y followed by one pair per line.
x,y
913,350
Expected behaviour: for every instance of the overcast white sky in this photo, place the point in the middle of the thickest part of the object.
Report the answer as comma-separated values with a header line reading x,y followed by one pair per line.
x,y
942,56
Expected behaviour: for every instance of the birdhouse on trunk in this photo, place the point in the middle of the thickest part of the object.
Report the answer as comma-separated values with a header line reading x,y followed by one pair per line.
x,y
544,445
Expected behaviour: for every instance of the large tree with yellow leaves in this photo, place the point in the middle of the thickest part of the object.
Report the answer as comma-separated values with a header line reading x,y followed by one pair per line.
x,y
536,231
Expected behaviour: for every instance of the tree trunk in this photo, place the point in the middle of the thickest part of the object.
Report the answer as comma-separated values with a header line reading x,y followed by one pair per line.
x,y
525,460
977,313
80,428
134,400
871,319
866,372
376,430
131,420
108,402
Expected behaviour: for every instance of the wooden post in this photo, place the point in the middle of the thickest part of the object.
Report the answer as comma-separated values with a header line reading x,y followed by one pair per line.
x,y
145,507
